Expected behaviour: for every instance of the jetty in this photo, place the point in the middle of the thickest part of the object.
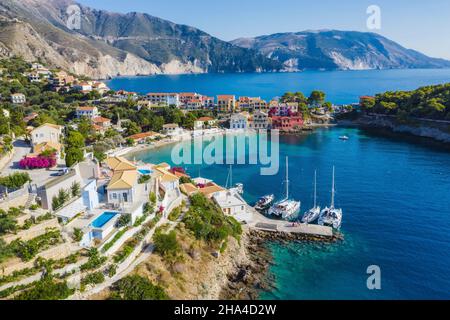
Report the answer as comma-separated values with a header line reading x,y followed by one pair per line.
x,y
262,223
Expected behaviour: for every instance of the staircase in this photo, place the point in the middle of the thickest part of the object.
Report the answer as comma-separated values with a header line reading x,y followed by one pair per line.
x,y
30,200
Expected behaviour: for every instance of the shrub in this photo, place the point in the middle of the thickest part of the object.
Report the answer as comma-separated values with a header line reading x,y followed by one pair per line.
x,y
46,289
15,180
7,223
75,189
207,221
77,234
144,179
93,278
167,245
112,270
175,214
39,162
116,237
124,220
137,288
95,260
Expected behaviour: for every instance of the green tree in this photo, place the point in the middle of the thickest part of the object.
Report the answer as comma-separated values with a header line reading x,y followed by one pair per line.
x,y
73,156
316,98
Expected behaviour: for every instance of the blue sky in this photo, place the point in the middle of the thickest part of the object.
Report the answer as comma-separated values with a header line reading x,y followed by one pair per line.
x,y
417,24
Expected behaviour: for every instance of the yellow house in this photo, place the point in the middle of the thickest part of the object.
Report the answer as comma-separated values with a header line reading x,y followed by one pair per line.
x,y
122,187
119,164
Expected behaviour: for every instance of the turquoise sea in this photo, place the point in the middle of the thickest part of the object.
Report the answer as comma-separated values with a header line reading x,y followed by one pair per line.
x,y
394,190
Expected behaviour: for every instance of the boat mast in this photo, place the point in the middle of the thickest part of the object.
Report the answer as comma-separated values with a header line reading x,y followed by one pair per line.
x,y
231,176
332,191
287,178
315,188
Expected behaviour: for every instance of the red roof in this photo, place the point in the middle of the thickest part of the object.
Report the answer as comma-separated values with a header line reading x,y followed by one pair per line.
x,y
225,97
86,108
142,135
101,119
205,119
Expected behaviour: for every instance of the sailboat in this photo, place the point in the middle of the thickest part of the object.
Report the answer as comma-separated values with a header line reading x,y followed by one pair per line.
x,y
286,208
238,187
312,214
331,216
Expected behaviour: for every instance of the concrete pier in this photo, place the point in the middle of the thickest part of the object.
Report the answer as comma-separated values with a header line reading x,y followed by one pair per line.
x,y
261,222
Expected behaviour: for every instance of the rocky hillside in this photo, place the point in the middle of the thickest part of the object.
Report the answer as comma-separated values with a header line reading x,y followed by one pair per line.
x,y
331,49
110,44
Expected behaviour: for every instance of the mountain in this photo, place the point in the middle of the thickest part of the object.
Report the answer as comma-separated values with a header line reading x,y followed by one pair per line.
x,y
332,49
110,44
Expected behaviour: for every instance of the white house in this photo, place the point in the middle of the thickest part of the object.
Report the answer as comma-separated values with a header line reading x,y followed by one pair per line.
x,y
89,112
168,99
260,120
84,174
202,122
232,204
239,120
18,98
46,133
172,129
83,86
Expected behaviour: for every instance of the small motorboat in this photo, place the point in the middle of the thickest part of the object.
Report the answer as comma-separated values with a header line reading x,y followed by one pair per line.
x,y
344,138
264,202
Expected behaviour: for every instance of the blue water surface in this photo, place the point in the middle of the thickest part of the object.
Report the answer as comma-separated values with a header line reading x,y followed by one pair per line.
x,y
394,191
395,194
103,219
340,86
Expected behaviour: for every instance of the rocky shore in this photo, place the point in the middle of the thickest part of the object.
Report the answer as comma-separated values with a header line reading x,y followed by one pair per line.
x,y
249,279
436,130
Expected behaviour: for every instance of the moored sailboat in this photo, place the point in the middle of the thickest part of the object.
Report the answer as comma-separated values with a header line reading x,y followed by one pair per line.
x,y
312,214
331,216
286,208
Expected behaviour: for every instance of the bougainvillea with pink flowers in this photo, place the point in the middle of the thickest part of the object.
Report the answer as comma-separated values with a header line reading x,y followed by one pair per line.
x,y
37,162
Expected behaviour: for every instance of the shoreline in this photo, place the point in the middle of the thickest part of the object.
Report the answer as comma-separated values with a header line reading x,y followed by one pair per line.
x,y
129,152
422,132
249,279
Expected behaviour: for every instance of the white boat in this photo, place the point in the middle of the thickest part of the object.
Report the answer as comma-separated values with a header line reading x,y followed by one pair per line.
x,y
312,214
331,216
238,187
344,138
264,202
286,208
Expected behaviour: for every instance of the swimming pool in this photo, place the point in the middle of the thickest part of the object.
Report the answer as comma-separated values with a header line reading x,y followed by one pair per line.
x,y
103,219
145,171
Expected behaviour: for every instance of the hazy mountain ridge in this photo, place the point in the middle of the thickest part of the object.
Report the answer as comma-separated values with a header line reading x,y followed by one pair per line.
x,y
332,49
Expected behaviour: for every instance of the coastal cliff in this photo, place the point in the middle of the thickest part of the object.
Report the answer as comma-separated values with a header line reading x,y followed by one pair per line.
x,y
436,130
